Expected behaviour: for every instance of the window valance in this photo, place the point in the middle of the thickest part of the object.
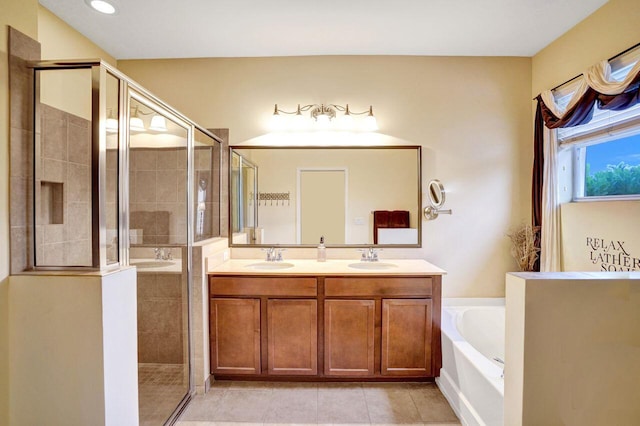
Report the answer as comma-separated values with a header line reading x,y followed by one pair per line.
x,y
599,87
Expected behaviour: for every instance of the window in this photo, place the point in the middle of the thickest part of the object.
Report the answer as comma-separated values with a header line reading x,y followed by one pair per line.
x,y
605,151
608,169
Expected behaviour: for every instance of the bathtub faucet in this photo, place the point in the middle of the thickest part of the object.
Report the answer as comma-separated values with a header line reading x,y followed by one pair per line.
x,y
500,361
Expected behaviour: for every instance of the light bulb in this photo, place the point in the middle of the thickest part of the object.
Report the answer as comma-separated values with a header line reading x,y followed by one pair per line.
x,y
136,124
323,121
158,123
277,122
112,125
370,124
345,122
298,122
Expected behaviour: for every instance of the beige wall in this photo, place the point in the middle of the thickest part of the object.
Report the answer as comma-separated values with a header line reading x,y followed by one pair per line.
x,y
471,116
67,90
610,30
74,363
22,15
591,241
60,41
573,349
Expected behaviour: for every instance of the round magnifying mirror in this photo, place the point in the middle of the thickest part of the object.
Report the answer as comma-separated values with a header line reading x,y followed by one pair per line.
x,y
436,193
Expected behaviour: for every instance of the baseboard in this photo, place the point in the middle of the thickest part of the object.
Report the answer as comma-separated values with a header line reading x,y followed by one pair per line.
x,y
466,413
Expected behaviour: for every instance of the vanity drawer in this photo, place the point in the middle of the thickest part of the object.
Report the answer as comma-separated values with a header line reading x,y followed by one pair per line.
x,y
252,286
378,286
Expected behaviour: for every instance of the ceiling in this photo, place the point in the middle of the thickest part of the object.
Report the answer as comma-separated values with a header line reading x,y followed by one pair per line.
x,y
246,28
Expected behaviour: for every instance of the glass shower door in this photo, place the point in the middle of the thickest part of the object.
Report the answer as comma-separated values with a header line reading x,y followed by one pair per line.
x,y
160,248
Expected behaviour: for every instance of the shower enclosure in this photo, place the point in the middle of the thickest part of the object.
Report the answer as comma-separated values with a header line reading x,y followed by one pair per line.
x,y
244,189
121,178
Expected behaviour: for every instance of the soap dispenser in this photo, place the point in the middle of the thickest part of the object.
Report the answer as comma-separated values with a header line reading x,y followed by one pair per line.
x,y
322,251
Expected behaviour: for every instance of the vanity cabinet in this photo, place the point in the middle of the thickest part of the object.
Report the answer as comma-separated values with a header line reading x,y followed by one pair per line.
x,y
235,336
264,325
349,339
406,337
292,337
361,327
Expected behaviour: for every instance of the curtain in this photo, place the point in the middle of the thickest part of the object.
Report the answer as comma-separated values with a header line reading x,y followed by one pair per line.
x,y
550,228
596,88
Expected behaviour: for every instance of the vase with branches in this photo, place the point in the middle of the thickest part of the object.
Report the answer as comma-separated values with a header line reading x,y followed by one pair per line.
x,y
523,246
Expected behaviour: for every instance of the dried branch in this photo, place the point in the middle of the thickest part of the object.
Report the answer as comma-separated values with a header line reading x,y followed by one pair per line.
x,y
523,248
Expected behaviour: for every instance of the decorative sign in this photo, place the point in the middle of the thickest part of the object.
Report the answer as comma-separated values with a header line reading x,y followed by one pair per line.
x,y
611,255
601,236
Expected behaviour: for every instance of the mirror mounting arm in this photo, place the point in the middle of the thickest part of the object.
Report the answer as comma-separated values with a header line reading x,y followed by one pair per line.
x,y
431,213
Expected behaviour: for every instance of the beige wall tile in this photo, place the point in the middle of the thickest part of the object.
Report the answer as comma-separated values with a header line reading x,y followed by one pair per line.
x,y
167,159
21,153
54,170
145,186
79,141
19,192
78,182
166,186
144,159
54,133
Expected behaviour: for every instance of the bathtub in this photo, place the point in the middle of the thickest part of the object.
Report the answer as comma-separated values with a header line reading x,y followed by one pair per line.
x,y
470,378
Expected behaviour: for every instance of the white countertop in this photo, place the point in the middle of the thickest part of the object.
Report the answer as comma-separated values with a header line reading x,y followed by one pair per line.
x,y
416,267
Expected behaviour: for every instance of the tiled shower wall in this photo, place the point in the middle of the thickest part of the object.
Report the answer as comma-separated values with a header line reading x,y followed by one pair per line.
x,y
21,49
63,155
157,193
161,323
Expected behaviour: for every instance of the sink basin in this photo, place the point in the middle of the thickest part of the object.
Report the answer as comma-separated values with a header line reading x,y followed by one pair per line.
x,y
372,265
153,263
271,265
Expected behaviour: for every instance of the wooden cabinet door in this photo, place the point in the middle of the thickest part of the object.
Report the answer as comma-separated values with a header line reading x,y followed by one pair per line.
x,y
349,337
406,337
292,336
235,336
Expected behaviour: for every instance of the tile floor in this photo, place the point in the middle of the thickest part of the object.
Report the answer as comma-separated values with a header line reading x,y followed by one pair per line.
x,y
262,403
161,387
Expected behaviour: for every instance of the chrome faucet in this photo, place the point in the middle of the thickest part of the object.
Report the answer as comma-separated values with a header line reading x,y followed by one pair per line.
x,y
369,255
274,254
163,254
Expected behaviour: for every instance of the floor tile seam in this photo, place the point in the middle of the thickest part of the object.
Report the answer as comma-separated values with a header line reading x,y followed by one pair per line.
x,y
366,403
415,403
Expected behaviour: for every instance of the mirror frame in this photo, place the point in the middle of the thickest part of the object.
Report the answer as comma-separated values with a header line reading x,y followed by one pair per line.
x,y
419,218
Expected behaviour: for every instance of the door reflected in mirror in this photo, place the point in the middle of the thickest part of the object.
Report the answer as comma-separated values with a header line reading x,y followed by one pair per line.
x,y
353,196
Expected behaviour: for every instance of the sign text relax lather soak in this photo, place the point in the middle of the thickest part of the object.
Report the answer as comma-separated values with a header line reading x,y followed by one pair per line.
x,y
611,255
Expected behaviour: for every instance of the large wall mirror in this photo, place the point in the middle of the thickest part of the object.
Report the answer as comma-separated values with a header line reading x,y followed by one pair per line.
x,y
352,196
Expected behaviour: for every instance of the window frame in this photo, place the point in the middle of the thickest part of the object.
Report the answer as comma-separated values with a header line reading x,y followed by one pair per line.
x,y
578,165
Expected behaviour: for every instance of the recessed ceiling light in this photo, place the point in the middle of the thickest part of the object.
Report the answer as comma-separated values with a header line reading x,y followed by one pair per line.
x,y
102,6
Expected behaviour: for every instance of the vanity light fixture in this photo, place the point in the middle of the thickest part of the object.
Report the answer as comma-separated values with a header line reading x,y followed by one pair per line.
x,y
158,123
135,122
112,123
323,115
102,6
